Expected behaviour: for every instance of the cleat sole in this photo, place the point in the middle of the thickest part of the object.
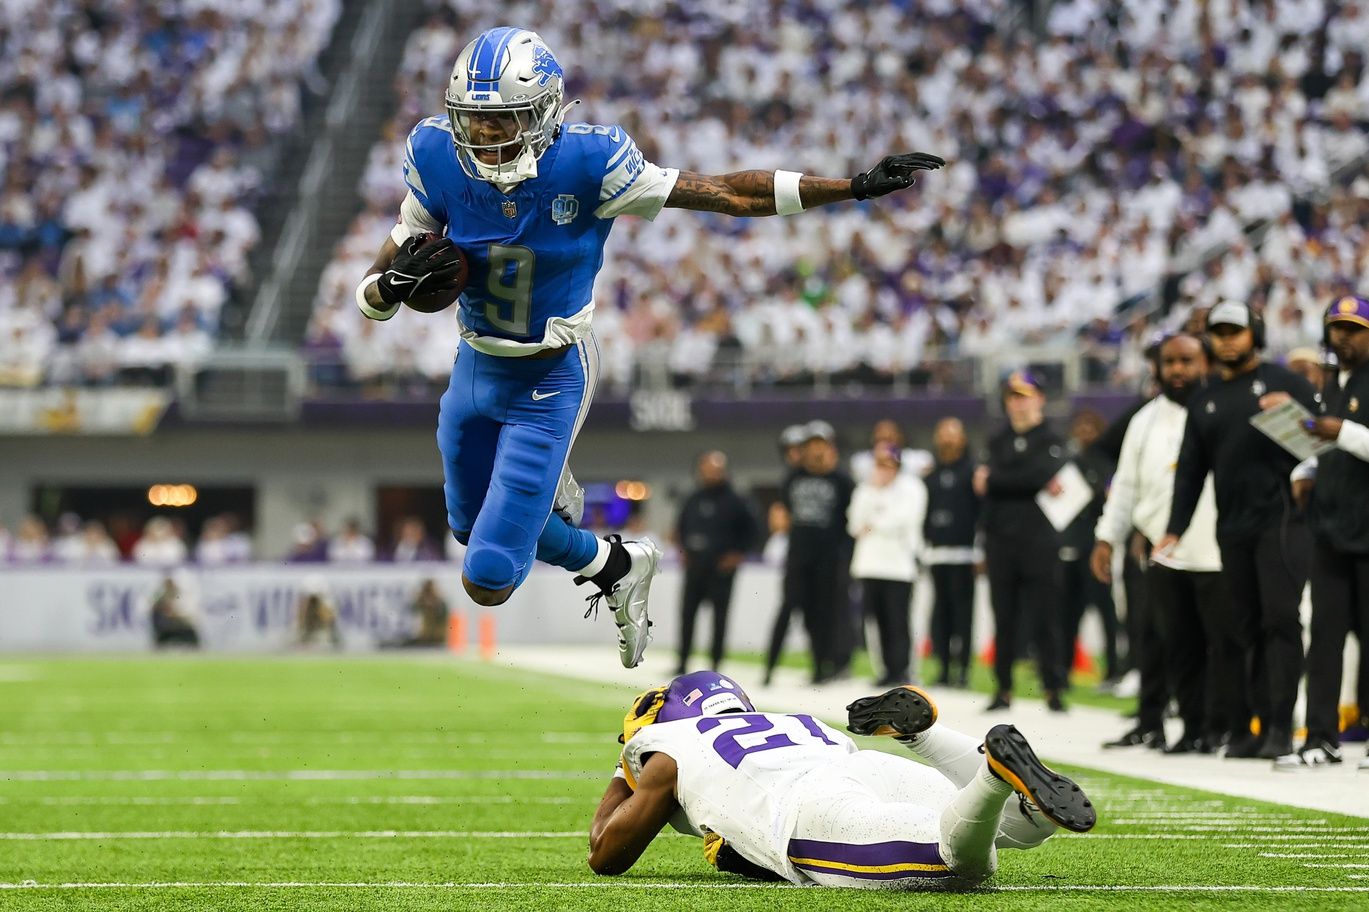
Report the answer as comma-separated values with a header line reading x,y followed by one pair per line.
x,y
901,711
1058,797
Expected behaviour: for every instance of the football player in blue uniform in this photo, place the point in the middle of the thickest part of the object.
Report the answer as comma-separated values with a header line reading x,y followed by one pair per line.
x,y
529,201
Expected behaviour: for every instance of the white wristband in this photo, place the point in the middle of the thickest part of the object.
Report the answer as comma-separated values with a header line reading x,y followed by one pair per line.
x,y
369,309
787,201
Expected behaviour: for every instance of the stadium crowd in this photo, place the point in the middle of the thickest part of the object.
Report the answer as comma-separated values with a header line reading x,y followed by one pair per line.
x,y
134,142
1093,172
166,541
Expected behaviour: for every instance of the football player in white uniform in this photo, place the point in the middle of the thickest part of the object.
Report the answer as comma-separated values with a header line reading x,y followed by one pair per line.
x,y
784,797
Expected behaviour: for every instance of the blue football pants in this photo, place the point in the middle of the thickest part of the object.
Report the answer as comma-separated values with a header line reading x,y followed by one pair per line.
x,y
505,427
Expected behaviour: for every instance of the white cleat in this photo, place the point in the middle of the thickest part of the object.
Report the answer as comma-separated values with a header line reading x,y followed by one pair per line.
x,y
569,502
628,599
1313,755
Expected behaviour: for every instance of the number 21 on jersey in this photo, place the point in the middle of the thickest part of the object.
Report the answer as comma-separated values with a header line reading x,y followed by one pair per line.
x,y
733,751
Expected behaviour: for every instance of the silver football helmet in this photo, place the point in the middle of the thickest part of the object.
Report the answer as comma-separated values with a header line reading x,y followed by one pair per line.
x,y
507,73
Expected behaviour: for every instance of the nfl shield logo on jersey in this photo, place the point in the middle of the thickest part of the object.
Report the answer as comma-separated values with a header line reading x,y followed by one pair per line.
x,y
564,209
510,209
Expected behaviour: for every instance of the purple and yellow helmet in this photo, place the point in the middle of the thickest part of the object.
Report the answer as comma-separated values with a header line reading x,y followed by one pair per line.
x,y
688,696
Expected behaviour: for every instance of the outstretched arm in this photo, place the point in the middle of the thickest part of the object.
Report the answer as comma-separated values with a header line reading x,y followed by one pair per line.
x,y
751,193
628,819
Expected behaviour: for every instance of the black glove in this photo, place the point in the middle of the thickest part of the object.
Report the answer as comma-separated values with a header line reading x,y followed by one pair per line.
x,y
417,269
894,172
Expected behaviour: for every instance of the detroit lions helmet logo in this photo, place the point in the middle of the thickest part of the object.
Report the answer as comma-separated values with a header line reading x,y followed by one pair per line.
x,y
544,66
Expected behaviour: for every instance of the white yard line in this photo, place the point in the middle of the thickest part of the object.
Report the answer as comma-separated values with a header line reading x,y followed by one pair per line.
x,y
89,738
1304,844
618,884
119,800
1314,854
111,836
234,775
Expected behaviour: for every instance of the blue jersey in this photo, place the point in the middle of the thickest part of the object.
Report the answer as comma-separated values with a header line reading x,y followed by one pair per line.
x,y
533,252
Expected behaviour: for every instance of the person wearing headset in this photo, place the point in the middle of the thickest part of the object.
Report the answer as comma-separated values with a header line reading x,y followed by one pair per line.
x,y
1336,487
1261,533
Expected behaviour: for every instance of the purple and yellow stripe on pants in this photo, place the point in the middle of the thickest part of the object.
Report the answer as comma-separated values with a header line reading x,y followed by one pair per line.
x,y
871,861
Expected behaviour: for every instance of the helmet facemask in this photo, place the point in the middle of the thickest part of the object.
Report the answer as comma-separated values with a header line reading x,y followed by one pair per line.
x,y
525,84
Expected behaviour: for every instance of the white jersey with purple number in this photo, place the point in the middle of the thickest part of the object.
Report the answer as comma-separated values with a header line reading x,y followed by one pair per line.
x,y
738,774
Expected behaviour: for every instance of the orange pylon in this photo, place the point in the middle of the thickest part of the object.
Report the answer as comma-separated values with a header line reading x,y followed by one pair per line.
x,y
487,636
456,632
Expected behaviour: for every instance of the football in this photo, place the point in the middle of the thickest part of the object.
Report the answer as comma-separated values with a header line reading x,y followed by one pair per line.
x,y
440,298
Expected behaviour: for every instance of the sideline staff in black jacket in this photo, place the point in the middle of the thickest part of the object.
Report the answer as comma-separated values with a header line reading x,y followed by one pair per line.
x,y
817,494
1021,547
1340,522
949,534
715,529
1262,537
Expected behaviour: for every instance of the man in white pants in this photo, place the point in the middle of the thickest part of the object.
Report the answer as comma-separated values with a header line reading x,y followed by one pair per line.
x,y
785,797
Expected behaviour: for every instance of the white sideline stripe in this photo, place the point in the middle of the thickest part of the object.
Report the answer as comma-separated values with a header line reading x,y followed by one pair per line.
x,y
1217,817
88,738
272,775
658,885
352,799
1348,866
1314,855
1288,830
1341,842
1274,840
295,834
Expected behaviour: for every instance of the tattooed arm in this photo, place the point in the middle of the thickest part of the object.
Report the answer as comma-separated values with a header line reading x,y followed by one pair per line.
x,y
750,192
753,192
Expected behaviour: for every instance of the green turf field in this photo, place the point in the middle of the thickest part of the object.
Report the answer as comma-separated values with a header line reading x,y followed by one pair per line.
x,y
186,782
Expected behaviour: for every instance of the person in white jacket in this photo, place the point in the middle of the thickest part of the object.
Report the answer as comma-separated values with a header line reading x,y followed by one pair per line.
x,y
1183,586
885,519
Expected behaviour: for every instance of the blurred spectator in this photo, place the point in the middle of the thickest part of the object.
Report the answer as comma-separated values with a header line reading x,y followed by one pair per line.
x,y
1021,547
1262,536
220,544
308,544
66,535
91,546
887,433
816,497
170,624
1183,642
30,544
1307,363
351,545
791,445
885,520
429,612
715,529
1340,558
315,615
160,545
411,542
951,553
1079,589
777,542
